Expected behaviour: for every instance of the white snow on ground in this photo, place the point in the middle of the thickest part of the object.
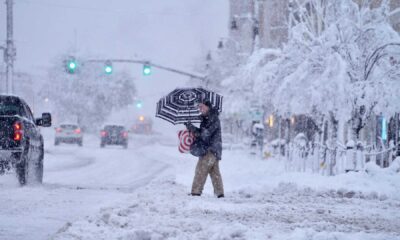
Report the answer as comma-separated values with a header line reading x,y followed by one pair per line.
x,y
77,182
141,193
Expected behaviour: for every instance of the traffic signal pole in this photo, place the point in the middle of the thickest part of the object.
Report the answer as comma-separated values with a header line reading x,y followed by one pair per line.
x,y
143,62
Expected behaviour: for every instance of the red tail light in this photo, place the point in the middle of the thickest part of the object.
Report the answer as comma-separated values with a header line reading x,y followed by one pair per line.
x,y
17,131
125,134
17,126
103,133
58,130
78,130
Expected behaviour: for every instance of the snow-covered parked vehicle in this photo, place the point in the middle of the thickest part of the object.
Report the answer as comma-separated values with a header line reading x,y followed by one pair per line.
x,y
114,135
21,143
68,133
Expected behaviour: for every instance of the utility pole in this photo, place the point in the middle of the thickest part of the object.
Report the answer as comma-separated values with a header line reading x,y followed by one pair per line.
x,y
10,52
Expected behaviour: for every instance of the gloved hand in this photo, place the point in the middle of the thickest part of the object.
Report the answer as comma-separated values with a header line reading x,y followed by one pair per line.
x,y
189,126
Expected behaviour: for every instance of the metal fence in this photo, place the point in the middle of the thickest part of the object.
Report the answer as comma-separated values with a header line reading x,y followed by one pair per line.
x,y
327,160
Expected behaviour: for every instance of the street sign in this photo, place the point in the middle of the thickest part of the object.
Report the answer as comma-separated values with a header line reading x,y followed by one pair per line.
x,y
256,115
384,129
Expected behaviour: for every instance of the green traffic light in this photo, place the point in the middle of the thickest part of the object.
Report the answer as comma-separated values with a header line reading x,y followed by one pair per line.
x,y
108,67
146,70
71,66
139,104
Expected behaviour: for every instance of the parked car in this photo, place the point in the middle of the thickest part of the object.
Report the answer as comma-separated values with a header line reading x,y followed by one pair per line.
x,y
114,135
68,133
21,143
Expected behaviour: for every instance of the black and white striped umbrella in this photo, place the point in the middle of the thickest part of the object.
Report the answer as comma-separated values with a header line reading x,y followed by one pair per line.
x,y
181,105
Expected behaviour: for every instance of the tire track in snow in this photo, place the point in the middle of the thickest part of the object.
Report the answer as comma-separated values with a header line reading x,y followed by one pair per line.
x,y
36,212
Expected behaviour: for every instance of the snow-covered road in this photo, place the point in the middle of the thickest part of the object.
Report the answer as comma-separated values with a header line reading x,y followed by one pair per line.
x,y
141,193
78,181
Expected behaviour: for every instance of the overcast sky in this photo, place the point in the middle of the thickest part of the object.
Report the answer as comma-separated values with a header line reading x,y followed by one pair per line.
x,y
170,32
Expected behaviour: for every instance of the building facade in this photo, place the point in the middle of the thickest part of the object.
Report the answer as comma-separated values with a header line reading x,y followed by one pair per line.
x,y
258,23
273,22
242,24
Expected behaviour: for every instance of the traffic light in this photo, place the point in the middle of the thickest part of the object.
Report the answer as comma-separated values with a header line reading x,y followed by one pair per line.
x,y
139,104
71,65
108,67
146,69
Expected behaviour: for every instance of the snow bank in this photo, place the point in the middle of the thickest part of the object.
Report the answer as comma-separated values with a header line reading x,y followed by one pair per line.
x,y
162,210
309,234
262,201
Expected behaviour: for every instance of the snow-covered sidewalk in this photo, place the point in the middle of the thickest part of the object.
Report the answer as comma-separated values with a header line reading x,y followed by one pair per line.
x,y
262,202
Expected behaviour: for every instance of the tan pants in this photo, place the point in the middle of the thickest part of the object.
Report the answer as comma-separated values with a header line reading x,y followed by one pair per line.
x,y
207,165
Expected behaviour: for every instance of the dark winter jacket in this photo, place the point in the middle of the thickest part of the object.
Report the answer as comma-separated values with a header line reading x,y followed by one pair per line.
x,y
209,133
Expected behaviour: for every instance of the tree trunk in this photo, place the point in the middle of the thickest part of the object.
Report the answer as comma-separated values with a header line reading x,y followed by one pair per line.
x,y
333,126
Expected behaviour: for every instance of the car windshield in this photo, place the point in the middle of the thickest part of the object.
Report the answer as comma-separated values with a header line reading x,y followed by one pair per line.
x,y
114,128
69,126
11,106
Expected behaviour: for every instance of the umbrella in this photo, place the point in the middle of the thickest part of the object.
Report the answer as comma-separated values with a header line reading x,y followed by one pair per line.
x,y
180,105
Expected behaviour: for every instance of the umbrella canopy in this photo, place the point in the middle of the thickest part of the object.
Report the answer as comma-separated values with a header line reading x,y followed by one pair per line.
x,y
180,105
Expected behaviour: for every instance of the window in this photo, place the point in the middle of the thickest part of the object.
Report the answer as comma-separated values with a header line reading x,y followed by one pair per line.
x,y
29,113
234,24
11,106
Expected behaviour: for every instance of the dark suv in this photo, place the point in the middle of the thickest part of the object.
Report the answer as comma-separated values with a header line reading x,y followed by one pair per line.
x,y
114,135
21,143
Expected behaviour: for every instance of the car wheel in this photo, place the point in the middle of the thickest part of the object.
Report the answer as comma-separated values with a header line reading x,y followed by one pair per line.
x,y
20,170
38,167
30,171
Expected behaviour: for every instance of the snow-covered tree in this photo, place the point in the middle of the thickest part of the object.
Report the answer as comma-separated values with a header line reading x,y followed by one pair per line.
x,y
328,66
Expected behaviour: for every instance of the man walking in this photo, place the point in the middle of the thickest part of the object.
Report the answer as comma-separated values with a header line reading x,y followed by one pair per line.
x,y
208,136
